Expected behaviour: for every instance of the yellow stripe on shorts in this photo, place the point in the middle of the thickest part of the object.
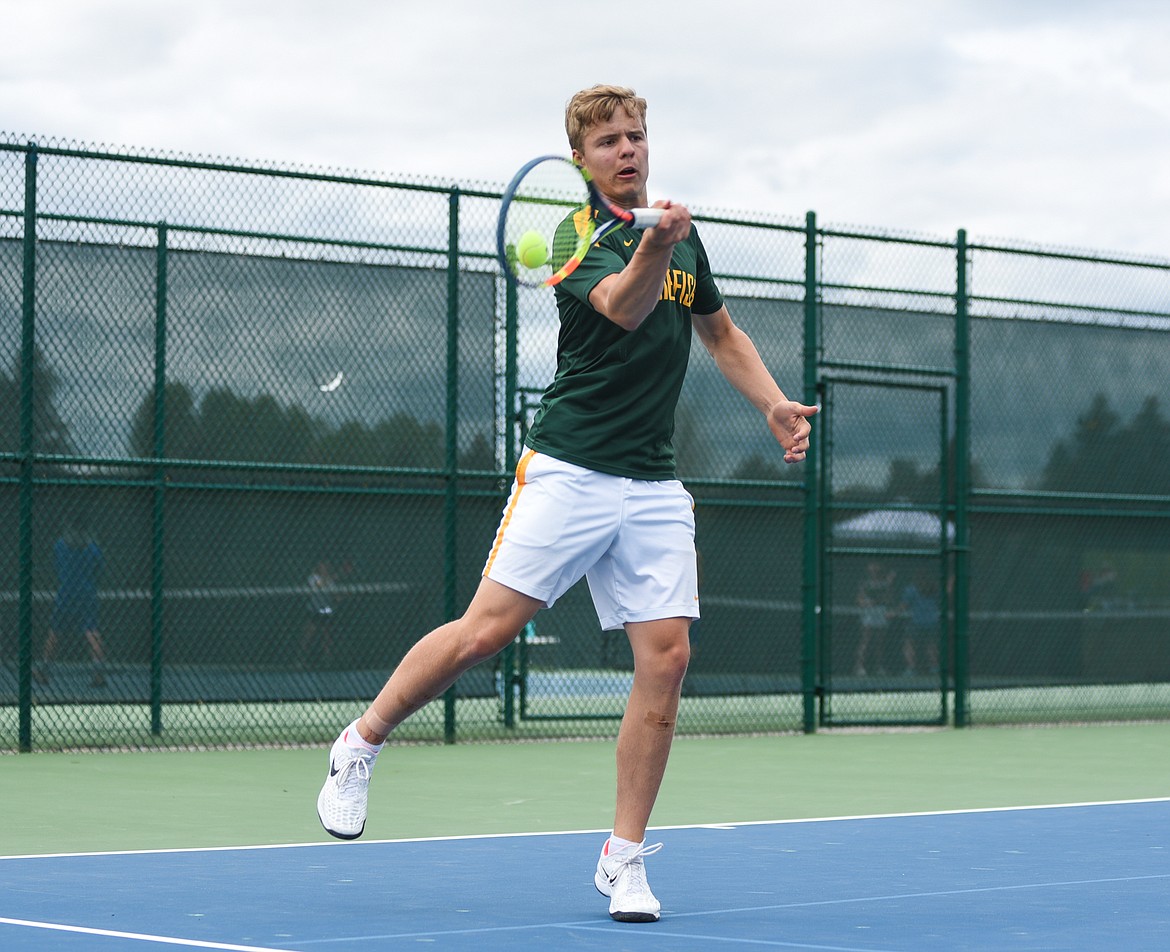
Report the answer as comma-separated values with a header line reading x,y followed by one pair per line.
x,y
521,469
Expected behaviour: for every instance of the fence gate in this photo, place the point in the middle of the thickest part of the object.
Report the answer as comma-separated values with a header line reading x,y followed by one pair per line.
x,y
883,628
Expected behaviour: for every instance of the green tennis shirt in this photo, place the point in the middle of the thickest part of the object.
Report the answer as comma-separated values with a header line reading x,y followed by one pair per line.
x,y
611,404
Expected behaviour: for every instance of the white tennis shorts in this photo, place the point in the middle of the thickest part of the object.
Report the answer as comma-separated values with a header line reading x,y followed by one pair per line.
x,y
633,539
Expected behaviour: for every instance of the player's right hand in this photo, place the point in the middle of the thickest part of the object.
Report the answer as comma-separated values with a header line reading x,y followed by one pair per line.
x,y
674,227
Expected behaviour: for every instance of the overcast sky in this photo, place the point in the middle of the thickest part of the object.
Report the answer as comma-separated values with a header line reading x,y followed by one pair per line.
x,y
1044,120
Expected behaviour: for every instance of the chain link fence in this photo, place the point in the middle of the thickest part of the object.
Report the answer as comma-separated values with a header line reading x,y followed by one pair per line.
x,y
273,413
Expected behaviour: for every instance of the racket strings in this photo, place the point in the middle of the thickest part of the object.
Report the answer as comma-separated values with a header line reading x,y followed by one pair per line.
x,y
547,222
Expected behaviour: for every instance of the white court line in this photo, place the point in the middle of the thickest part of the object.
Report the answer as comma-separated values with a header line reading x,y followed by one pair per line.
x,y
140,937
731,825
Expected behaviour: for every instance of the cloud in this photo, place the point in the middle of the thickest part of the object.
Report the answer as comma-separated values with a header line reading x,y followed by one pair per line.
x,y
1044,121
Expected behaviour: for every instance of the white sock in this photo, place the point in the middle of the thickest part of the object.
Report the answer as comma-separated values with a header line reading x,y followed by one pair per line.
x,y
616,843
353,738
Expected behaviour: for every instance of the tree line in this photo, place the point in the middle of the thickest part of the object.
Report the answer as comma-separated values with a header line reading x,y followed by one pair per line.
x,y
1102,454
226,426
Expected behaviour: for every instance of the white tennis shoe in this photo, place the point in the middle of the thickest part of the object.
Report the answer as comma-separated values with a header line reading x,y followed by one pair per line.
x,y
341,804
621,875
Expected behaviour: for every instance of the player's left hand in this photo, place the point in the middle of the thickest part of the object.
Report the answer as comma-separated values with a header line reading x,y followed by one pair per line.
x,y
788,421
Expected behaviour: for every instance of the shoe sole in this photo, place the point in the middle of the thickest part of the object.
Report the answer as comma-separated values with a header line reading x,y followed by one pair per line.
x,y
620,916
634,916
339,835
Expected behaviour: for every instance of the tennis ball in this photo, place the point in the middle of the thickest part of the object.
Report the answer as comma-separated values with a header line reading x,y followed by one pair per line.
x,y
531,251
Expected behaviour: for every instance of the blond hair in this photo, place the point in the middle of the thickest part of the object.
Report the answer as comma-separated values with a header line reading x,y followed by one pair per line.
x,y
598,104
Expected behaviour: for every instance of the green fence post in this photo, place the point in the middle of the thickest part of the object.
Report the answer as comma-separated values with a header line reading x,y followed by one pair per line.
x,y
157,535
513,412
962,480
27,444
808,584
452,442
512,424
944,568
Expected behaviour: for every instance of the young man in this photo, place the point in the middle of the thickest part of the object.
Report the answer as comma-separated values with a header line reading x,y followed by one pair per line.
x,y
595,493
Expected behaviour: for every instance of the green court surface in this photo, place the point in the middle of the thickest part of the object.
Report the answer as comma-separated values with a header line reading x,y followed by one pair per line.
x,y
77,802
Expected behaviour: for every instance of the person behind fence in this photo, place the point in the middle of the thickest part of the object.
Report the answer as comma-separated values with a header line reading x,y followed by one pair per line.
x,y
78,561
595,494
875,598
920,609
321,615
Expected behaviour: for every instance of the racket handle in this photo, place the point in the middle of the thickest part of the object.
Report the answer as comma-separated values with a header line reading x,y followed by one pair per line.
x,y
646,217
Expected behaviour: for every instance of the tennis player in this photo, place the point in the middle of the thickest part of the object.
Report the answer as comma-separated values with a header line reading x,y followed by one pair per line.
x,y
595,494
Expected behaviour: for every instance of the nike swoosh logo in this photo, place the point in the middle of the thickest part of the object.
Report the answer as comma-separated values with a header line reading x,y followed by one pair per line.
x,y
628,243
333,771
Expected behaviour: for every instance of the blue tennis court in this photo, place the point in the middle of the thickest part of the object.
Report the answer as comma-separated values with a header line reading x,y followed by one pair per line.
x,y
1078,877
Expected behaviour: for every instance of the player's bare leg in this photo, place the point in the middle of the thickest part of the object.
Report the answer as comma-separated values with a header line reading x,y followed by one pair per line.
x,y
494,617
661,653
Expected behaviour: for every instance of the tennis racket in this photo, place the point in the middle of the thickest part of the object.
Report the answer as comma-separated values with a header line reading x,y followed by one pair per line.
x,y
549,219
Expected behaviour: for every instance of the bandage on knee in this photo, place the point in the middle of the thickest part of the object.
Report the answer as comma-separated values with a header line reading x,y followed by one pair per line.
x,y
660,722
